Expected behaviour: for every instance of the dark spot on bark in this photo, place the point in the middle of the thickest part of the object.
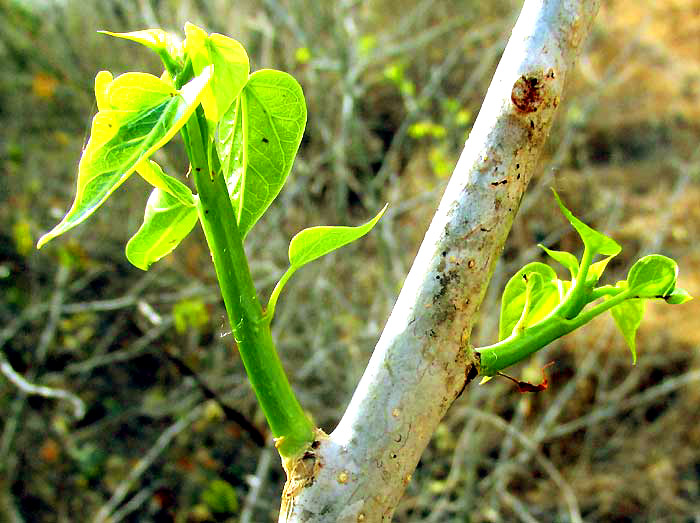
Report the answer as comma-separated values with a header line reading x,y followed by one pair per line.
x,y
444,253
394,455
316,444
517,166
445,280
526,94
471,264
502,182
518,176
532,124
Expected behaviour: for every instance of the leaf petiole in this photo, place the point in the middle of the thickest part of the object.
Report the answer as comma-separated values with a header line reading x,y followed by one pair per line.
x,y
272,302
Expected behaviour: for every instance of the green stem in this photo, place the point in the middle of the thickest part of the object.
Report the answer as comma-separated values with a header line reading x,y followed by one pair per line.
x,y
288,422
576,301
519,346
605,290
272,302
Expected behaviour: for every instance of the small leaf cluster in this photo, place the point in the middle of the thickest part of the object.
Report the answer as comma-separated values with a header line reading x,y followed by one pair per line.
x,y
250,125
538,307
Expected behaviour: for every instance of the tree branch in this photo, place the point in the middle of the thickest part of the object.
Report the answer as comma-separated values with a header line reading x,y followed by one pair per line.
x,y
423,359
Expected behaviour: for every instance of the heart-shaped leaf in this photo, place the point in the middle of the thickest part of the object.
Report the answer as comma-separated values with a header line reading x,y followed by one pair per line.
x,y
258,140
314,242
653,276
514,296
628,317
597,242
165,223
231,69
138,114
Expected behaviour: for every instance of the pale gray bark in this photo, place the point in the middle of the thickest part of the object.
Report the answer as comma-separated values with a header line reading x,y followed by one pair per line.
x,y
423,360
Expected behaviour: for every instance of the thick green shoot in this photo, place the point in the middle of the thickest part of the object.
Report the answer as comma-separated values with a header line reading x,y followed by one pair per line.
x,y
241,132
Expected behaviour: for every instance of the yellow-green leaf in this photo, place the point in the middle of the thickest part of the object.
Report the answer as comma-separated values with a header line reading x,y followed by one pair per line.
x,y
653,276
153,174
139,113
628,317
166,45
515,299
165,223
231,69
314,242
594,240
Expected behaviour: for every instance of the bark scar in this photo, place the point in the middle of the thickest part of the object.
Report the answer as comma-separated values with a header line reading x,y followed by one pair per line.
x,y
301,473
470,372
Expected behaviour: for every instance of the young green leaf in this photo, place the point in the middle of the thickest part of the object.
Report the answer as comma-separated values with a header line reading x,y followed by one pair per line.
x,y
566,259
678,296
628,317
165,223
153,174
229,147
514,296
268,123
138,114
533,285
595,271
314,242
231,69
653,276
542,299
597,242
163,43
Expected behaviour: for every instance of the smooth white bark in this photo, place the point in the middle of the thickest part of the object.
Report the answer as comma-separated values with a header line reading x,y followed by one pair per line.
x,y
423,360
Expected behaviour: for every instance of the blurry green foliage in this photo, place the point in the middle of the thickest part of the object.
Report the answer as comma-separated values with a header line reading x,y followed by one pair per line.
x,y
220,497
303,55
191,313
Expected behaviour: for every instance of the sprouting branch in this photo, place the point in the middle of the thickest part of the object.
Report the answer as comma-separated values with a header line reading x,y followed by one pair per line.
x,y
423,359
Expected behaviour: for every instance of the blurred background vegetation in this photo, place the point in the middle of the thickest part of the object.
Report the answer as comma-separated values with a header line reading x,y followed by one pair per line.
x,y
392,90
